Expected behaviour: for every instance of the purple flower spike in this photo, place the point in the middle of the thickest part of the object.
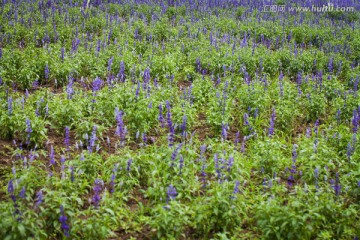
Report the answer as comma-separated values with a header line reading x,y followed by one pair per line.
x,y
39,198
128,165
224,131
67,137
62,219
52,156
47,71
28,130
97,191
171,193
272,123
22,192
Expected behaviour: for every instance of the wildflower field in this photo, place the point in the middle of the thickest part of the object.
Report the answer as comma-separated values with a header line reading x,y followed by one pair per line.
x,y
178,119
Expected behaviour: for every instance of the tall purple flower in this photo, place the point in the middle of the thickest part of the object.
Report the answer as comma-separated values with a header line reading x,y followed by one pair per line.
x,y
22,193
236,189
52,156
224,128
294,153
331,65
10,103
281,77
171,137
62,53
11,189
47,71
272,123
69,88
183,126
110,63
146,77
316,175
93,139
161,117
128,165
97,84
28,130
175,153
120,126
337,186
39,198
62,219
99,184
316,127
355,121
171,193
113,176
121,74
67,137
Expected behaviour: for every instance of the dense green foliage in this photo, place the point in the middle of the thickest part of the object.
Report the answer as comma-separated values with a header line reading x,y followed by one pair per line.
x,y
178,121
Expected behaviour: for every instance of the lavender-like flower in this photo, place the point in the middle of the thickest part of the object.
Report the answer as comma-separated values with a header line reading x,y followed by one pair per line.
x,y
246,119
39,198
62,219
337,186
355,121
28,130
97,191
224,128
171,193
97,84
316,174
113,176
171,137
281,77
10,103
146,77
128,165
72,174
69,88
175,153
47,71
11,187
272,123
62,53
236,189
294,153
230,163
316,127
92,139
331,65
183,126
121,74
144,138
161,117
67,137
120,128
110,63
52,156
22,193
